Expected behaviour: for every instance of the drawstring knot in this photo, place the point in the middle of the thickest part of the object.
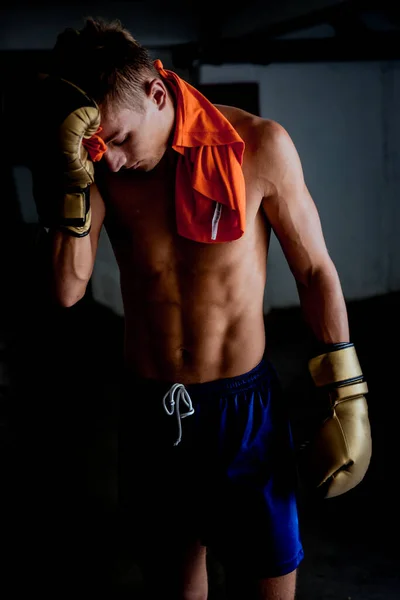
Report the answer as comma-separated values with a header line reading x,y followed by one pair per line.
x,y
172,404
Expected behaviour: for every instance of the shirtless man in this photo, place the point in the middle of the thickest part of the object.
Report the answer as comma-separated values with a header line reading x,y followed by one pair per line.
x,y
213,453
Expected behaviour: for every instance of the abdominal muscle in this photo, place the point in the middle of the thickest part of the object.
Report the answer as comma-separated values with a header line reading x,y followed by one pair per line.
x,y
193,311
190,326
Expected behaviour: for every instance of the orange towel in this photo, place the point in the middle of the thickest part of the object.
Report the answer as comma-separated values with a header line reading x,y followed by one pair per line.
x,y
210,196
95,146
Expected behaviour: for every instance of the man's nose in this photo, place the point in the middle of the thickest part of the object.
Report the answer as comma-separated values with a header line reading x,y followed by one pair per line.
x,y
114,161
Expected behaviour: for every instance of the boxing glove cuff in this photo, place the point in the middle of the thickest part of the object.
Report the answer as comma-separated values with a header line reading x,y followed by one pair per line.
x,y
337,367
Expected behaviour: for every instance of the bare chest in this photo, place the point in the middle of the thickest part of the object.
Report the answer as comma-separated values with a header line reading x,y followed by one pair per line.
x,y
141,222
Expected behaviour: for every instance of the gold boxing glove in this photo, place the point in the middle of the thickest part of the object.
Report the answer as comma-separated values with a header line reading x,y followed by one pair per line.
x,y
337,455
62,169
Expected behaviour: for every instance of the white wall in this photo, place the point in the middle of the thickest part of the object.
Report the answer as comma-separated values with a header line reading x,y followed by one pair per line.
x,y
344,120
391,118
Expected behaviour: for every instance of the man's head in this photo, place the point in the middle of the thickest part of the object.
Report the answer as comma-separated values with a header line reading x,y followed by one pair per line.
x,y
137,112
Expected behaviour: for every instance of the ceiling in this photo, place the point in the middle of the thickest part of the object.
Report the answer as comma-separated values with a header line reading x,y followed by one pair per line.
x,y
214,32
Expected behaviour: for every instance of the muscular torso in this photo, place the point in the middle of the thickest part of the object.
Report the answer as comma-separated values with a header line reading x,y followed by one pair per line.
x,y
193,311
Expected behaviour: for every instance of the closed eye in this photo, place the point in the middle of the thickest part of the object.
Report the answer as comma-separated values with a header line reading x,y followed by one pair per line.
x,y
119,143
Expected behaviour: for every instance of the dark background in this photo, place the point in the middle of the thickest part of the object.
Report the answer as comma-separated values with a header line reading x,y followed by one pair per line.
x,y
59,367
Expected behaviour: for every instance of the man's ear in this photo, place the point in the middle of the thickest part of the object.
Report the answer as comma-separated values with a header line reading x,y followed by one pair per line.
x,y
157,92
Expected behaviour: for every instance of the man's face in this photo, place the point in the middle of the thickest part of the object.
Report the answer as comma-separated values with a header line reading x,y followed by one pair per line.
x,y
136,139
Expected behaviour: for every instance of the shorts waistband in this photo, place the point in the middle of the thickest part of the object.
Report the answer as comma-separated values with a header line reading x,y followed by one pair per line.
x,y
177,398
235,384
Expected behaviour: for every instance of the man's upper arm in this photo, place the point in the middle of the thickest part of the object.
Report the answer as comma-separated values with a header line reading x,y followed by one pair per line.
x,y
288,205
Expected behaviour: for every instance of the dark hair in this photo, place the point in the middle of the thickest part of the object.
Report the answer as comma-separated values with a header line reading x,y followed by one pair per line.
x,y
105,61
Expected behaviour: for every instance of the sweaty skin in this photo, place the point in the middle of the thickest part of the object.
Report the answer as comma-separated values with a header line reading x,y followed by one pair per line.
x,y
193,311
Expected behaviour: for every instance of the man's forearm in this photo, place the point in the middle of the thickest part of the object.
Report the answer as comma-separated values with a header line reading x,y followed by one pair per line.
x,y
73,260
324,307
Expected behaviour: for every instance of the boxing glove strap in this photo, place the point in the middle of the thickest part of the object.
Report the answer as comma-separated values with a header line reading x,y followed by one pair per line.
x,y
78,230
76,207
338,367
349,391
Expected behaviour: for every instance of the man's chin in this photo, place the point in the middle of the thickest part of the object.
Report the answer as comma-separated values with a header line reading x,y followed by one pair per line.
x,y
145,167
148,166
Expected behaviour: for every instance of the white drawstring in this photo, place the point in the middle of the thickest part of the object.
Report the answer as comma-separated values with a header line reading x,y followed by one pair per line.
x,y
215,220
174,406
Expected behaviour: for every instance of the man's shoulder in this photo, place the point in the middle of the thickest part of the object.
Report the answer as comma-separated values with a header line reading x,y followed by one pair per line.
x,y
256,131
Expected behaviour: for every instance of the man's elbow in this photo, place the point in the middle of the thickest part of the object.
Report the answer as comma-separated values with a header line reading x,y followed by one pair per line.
x,y
324,273
68,301
67,296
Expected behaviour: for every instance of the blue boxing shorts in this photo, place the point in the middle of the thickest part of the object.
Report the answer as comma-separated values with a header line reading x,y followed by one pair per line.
x,y
212,462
